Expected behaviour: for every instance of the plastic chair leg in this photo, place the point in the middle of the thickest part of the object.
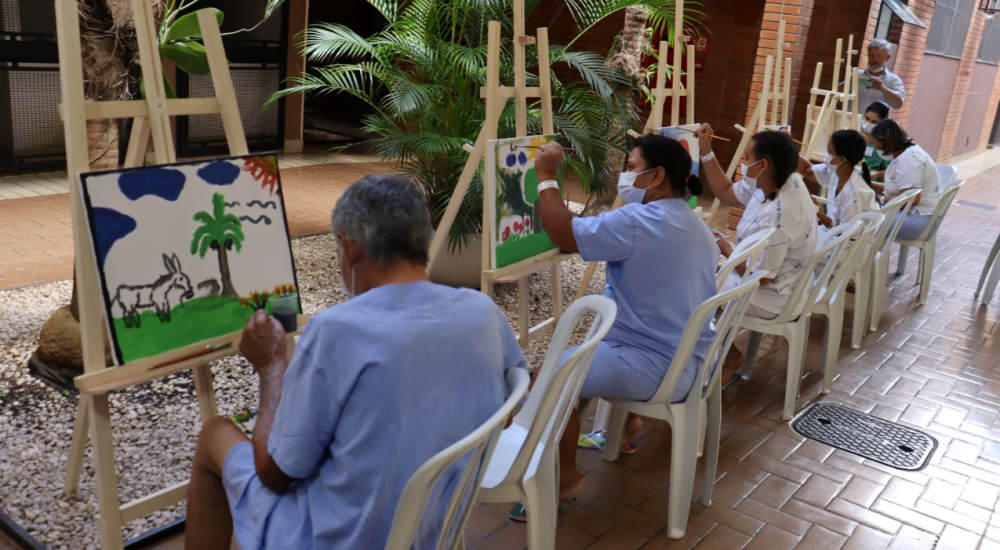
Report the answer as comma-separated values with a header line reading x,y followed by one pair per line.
x,y
927,269
613,437
796,357
751,354
991,261
991,286
903,252
831,343
542,504
682,468
862,293
702,427
878,293
712,436
920,266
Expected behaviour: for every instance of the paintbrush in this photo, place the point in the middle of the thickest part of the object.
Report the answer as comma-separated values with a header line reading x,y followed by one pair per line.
x,y
570,149
713,136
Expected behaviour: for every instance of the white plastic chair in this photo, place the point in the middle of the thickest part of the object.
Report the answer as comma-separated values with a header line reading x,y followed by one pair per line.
x,y
477,446
927,242
991,269
685,417
795,328
947,174
830,301
525,465
748,250
895,212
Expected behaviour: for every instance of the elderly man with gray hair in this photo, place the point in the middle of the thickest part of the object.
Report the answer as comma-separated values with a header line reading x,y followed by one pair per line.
x,y
876,82
377,386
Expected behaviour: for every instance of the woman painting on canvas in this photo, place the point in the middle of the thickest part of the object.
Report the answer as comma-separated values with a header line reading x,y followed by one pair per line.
x,y
661,261
849,189
773,195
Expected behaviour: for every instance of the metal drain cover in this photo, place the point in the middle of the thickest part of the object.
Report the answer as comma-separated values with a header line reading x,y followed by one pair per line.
x,y
866,435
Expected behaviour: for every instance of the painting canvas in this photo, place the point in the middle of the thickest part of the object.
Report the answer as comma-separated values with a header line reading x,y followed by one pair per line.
x,y
685,134
184,251
516,231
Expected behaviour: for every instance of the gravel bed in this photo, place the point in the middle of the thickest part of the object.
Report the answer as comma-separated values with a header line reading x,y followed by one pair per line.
x,y
155,424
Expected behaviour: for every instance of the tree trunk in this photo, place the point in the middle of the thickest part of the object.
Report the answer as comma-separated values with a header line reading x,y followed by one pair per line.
x,y
227,281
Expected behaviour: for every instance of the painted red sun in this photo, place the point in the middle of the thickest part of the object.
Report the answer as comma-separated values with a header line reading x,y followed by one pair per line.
x,y
264,170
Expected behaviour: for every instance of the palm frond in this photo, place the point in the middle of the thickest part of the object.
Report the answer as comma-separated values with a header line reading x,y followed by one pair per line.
x,y
325,42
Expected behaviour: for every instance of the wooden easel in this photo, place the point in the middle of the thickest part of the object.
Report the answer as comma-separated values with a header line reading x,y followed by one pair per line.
x,y
774,100
496,97
660,92
151,121
839,106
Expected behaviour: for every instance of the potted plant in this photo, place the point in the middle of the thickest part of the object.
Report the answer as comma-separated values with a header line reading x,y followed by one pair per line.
x,y
421,76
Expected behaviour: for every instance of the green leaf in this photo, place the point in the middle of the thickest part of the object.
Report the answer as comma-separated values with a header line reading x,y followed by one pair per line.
x,y
186,27
168,89
189,57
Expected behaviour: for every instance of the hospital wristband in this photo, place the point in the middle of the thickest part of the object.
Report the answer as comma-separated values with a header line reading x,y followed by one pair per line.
x,y
547,184
708,157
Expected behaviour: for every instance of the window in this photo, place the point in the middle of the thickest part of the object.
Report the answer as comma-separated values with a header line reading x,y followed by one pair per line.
x,y
989,48
950,27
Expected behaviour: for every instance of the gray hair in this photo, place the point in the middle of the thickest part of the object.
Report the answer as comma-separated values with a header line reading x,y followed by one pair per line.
x,y
880,44
387,216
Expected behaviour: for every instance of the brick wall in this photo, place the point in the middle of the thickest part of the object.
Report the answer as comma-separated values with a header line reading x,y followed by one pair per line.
x,y
799,18
961,89
991,114
831,20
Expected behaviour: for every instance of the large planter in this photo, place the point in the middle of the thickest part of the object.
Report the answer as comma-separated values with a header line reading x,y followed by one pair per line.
x,y
462,268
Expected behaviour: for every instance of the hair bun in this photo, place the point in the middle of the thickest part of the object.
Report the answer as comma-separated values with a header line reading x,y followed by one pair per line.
x,y
694,185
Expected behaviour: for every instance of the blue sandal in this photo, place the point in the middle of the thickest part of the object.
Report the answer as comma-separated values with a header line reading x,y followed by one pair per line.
x,y
517,513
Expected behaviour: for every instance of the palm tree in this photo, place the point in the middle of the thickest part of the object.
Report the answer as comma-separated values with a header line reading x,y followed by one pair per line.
x,y
421,78
220,232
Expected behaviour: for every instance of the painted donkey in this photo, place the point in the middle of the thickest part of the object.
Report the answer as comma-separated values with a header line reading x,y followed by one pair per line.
x,y
131,300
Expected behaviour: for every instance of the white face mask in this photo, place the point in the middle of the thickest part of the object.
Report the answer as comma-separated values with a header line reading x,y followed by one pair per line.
x,y
349,292
867,127
828,161
885,156
752,182
627,189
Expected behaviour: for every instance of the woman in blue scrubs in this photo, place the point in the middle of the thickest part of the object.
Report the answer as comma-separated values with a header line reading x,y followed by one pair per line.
x,y
661,261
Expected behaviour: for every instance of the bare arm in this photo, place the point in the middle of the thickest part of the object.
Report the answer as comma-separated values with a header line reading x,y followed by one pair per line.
x,y
718,182
556,218
808,176
263,344
894,99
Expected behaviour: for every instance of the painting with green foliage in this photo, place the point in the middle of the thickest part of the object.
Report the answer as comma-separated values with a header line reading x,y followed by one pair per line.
x,y
516,231
180,247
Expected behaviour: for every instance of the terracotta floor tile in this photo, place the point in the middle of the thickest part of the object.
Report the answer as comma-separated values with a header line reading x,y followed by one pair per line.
x,y
775,491
728,517
954,538
908,516
772,538
771,516
861,491
863,516
571,538
866,538
820,516
619,538
911,538
821,537
819,491
627,517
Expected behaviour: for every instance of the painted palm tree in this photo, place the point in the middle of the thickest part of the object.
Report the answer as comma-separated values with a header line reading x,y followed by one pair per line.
x,y
220,232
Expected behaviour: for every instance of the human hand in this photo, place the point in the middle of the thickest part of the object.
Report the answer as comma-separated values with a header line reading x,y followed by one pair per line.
x,y
704,135
263,342
548,159
876,83
725,247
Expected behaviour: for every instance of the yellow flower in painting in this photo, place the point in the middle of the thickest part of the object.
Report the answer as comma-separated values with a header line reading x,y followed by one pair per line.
x,y
536,141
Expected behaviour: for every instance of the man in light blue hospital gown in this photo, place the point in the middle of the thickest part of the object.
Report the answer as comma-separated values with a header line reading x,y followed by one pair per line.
x,y
377,386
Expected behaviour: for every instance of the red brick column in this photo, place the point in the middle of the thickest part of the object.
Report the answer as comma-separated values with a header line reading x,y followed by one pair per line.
x,y
961,89
991,115
797,15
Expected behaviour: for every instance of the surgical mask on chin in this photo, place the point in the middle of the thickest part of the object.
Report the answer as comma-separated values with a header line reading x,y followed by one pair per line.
x,y
627,189
867,127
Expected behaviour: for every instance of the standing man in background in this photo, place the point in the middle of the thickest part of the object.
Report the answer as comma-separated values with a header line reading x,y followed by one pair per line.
x,y
877,83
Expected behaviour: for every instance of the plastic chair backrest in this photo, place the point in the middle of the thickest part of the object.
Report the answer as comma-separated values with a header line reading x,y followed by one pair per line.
x,y
748,251
853,249
557,388
805,289
942,208
478,446
734,303
947,173
898,206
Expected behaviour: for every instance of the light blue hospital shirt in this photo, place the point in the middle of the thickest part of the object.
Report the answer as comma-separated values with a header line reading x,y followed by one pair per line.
x,y
661,261
377,386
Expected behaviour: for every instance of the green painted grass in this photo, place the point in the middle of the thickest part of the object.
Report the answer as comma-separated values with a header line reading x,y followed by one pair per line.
x,y
514,251
190,323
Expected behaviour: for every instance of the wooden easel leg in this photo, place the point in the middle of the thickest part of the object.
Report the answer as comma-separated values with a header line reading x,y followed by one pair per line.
x,y
75,463
206,393
138,143
105,477
585,282
523,318
557,294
